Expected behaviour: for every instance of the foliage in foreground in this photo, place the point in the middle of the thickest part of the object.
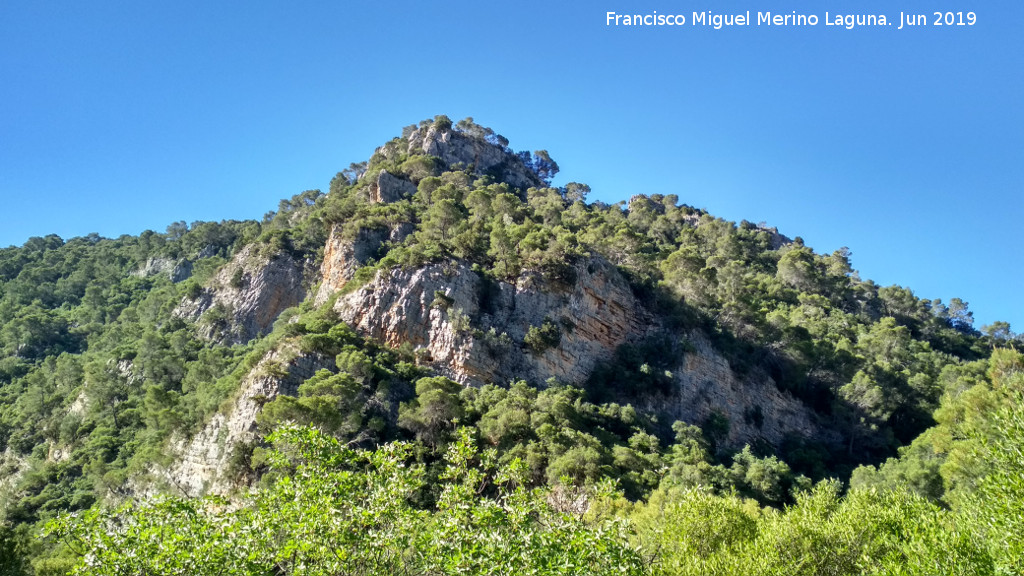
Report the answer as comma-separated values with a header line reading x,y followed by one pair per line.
x,y
333,510
865,532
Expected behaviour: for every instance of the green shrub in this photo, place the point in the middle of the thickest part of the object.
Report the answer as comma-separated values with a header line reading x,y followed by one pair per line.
x,y
541,338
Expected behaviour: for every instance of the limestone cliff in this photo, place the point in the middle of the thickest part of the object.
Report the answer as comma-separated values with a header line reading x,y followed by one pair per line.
x,y
203,462
388,188
473,331
176,270
344,255
454,148
754,407
242,301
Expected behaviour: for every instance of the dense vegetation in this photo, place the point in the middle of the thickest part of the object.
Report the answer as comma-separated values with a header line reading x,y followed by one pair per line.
x,y
98,375
333,510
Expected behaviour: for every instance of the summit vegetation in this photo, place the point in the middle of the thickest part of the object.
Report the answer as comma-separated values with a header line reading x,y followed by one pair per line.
x,y
380,463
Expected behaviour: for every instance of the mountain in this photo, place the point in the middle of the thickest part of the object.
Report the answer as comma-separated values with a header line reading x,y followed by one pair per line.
x,y
446,283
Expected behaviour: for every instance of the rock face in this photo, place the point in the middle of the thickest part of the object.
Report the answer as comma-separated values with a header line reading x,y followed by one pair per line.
x,y
453,148
12,469
705,384
777,240
182,271
203,463
176,270
473,331
343,256
242,301
390,188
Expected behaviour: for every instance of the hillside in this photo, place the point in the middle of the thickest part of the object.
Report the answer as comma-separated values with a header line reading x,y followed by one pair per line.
x,y
444,294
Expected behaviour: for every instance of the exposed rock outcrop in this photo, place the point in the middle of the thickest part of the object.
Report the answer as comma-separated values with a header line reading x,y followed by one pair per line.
x,y
453,147
390,188
204,461
242,301
456,320
176,270
777,240
343,256
473,331
753,405
182,271
12,468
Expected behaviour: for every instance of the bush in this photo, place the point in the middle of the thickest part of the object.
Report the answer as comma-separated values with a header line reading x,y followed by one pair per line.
x,y
193,290
334,510
459,321
237,279
541,338
442,123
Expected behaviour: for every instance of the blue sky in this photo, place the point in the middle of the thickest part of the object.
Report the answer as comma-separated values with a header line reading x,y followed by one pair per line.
x,y
906,146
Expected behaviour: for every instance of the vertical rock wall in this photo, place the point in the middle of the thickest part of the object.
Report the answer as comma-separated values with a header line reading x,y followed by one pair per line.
x,y
249,293
203,464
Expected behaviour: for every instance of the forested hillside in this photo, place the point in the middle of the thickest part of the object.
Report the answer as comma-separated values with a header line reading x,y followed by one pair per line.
x,y
446,365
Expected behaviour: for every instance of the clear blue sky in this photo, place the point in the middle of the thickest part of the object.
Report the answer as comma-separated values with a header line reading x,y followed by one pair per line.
x,y
906,146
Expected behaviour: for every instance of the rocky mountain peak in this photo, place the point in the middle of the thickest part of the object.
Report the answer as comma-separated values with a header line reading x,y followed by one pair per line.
x,y
476,147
